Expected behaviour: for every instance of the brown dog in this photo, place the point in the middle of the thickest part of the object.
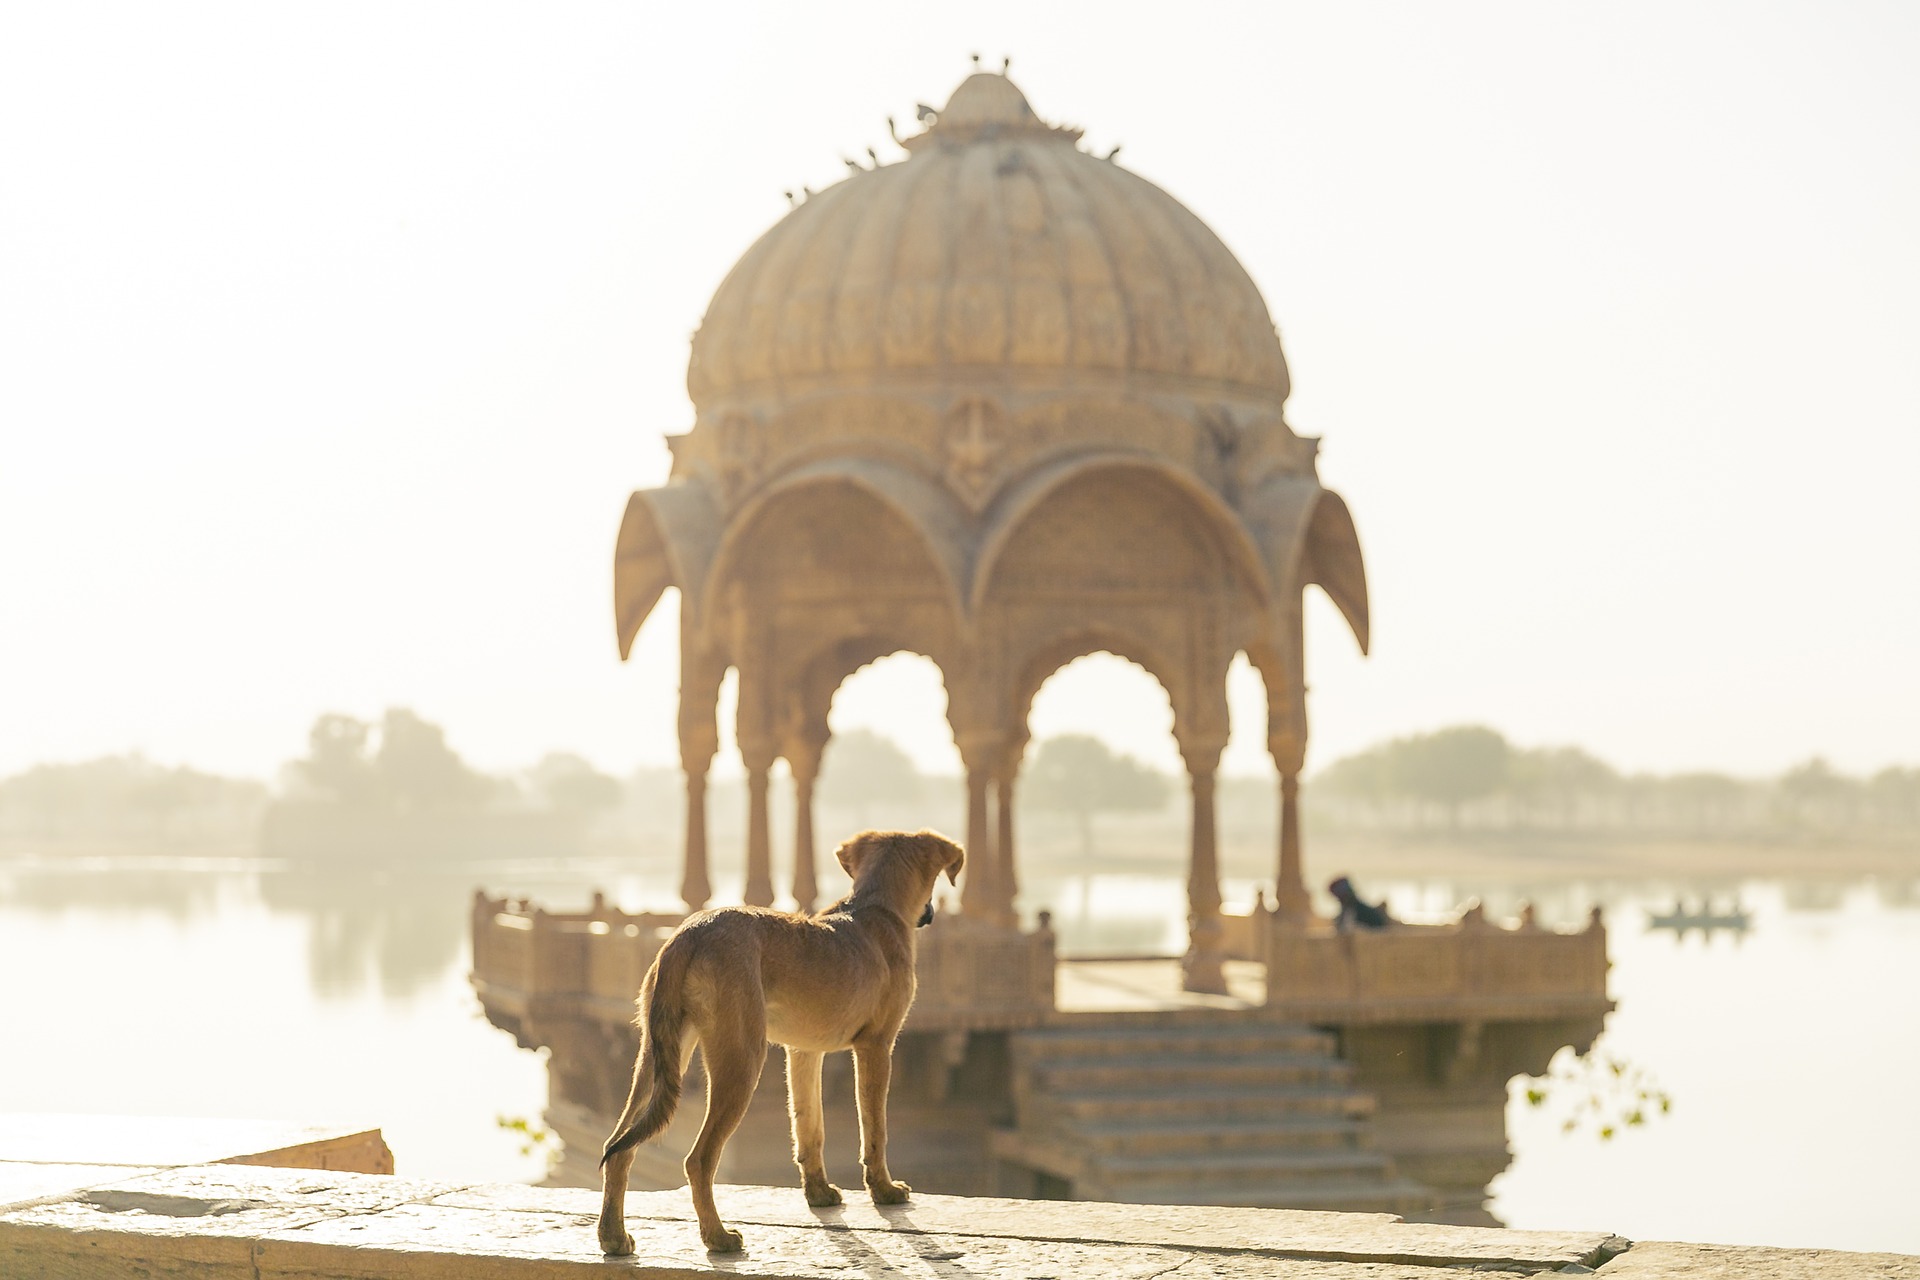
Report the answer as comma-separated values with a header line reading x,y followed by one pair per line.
x,y
730,980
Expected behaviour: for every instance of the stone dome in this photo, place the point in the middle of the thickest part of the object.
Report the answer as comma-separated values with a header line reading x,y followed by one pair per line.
x,y
997,247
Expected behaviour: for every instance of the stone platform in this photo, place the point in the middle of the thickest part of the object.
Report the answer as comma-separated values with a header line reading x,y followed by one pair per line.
x,y
227,1221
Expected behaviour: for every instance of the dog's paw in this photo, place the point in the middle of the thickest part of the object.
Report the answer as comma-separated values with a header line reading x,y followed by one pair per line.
x,y
822,1194
725,1240
890,1192
620,1246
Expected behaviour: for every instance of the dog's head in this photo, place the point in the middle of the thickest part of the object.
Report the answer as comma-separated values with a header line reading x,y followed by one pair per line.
x,y
902,865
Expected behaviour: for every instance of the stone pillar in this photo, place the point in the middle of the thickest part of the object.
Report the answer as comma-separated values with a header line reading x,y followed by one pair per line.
x,y
1291,902
700,675
1007,886
1203,968
805,764
696,886
979,897
759,889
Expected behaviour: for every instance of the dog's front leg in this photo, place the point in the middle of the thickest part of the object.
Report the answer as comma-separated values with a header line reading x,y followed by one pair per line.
x,y
872,1071
809,1126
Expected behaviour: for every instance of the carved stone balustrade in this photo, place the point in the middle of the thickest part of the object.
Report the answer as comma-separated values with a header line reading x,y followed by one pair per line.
x,y
976,975
1469,969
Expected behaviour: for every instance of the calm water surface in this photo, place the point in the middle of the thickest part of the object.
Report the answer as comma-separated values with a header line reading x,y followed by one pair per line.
x,y
216,988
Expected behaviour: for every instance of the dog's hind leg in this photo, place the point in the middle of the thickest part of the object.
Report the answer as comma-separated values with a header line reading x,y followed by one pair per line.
x,y
615,1240
872,1072
734,1056
809,1126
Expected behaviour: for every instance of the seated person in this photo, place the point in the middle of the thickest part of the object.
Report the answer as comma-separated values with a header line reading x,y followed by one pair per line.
x,y
1355,914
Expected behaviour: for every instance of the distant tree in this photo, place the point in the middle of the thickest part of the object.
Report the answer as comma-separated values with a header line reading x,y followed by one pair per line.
x,y
1081,775
1895,796
128,797
418,770
1450,767
1814,792
1365,776
569,784
862,768
337,765
403,763
1711,800
1555,780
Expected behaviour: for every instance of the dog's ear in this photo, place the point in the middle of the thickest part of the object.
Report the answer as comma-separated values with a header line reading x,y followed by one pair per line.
x,y
851,853
956,862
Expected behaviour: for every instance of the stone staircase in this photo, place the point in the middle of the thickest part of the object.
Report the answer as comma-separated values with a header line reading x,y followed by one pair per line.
x,y
1210,1109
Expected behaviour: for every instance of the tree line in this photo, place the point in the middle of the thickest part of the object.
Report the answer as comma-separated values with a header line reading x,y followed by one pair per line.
x,y
399,772
1470,777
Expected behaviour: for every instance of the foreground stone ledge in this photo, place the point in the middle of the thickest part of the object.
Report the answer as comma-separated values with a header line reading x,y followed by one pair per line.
x,y
160,1142
257,1224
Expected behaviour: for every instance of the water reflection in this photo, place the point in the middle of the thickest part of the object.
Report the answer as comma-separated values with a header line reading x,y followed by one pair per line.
x,y
1899,894
1815,895
179,889
399,930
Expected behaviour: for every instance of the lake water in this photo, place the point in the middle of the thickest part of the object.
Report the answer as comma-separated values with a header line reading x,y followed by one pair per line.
x,y
156,986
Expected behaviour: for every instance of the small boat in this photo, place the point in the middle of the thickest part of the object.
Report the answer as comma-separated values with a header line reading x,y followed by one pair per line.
x,y
1705,918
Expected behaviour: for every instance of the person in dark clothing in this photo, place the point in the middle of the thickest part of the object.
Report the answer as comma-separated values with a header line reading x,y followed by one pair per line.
x,y
1355,914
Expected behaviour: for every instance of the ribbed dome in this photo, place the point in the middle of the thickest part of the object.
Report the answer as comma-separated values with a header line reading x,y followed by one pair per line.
x,y
997,242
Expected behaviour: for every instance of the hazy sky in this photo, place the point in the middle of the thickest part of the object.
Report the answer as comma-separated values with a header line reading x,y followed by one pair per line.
x,y
333,336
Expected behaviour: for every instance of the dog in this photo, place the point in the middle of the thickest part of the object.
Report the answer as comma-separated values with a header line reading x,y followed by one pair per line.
x,y
730,980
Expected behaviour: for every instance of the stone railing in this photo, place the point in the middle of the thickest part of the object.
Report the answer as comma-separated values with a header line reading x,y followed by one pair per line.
x,y
602,951
526,960
1470,968
976,976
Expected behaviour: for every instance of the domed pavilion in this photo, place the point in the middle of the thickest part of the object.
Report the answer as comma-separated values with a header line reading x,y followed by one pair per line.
x,y
1002,403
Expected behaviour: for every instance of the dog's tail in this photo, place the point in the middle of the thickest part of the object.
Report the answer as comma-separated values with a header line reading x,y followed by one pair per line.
x,y
656,1075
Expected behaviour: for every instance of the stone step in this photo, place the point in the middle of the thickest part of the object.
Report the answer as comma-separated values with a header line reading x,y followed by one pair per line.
x,y
1230,1106
1227,1040
1397,1195
1208,1137
1177,1071
1243,1169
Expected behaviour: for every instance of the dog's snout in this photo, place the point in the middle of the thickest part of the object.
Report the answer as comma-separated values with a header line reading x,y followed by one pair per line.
x,y
926,917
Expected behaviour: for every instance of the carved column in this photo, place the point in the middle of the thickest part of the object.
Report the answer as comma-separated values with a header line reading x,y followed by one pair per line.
x,y
978,898
1291,902
1203,969
759,888
700,676
696,885
1005,865
757,731
982,897
804,760
1007,887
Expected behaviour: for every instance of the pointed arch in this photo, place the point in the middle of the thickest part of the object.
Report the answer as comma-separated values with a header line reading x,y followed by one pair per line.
x,y
1012,508
927,508
1039,663
667,539
1334,562
1306,537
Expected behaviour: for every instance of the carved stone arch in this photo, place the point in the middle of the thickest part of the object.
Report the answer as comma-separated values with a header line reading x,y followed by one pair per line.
x,y
1039,662
1333,561
1271,661
1015,505
668,538
1306,537
817,676
923,506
